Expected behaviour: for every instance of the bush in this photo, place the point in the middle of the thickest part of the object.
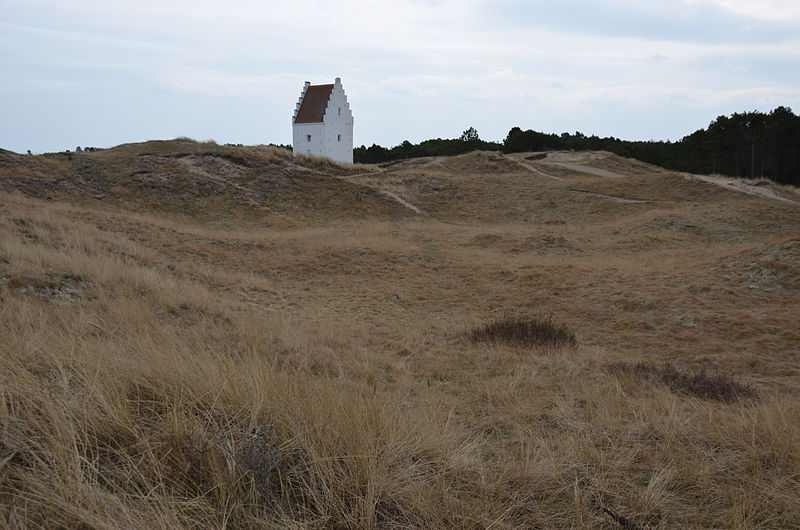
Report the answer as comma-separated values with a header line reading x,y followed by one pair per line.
x,y
717,387
522,332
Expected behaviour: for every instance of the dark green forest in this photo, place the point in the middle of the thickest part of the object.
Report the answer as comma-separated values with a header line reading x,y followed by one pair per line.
x,y
469,141
747,144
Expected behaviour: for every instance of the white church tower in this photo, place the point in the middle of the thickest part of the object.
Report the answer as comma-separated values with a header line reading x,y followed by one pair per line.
x,y
322,123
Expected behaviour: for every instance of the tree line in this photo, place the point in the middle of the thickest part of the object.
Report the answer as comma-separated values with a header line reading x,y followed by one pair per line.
x,y
468,141
748,144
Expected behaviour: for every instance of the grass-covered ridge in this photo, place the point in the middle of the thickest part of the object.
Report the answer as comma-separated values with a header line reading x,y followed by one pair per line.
x,y
313,367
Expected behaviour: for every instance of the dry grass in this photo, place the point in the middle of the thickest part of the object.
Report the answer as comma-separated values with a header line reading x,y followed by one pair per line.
x,y
162,371
191,180
326,165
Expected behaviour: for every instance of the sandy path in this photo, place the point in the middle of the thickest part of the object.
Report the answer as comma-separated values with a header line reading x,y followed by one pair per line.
x,y
740,185
610,198
569,160
404,202
531,168
438,161
359,175
585,169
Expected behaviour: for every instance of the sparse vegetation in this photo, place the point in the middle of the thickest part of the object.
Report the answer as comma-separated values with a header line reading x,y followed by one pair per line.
x,y
198,179
197,336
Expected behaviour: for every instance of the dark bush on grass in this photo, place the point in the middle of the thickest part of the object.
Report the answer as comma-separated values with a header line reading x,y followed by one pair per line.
x,y
523,332
537,156
718,387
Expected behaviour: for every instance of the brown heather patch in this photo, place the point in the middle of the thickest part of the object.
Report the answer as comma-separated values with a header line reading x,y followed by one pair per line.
x,y
700,383
524,332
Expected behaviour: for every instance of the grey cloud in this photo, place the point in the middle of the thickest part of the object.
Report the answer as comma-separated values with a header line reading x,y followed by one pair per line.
x,y
700,22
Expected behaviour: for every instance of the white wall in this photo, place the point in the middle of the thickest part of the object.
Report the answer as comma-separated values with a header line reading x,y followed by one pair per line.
x,y
339,126
333,137
300,143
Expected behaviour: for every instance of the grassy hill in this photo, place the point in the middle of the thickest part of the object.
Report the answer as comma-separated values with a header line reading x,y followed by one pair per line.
x,y
200,180
197,335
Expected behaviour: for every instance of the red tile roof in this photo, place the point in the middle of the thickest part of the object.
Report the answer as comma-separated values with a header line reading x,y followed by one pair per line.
x,y
312,109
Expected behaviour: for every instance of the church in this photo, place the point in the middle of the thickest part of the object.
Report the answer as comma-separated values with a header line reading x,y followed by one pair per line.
x,y
322,123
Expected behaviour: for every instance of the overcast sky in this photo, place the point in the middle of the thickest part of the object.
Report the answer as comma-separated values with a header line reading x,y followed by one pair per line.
x,y
89,73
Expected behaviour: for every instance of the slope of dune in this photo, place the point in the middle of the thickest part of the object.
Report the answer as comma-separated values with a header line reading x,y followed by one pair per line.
x,y
202,336
196,179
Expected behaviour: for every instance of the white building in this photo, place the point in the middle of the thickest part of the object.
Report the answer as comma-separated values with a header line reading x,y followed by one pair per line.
x,y
322,122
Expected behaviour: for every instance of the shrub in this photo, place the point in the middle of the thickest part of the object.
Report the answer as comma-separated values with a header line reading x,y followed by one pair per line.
x,y
537,156
717,387
524,332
